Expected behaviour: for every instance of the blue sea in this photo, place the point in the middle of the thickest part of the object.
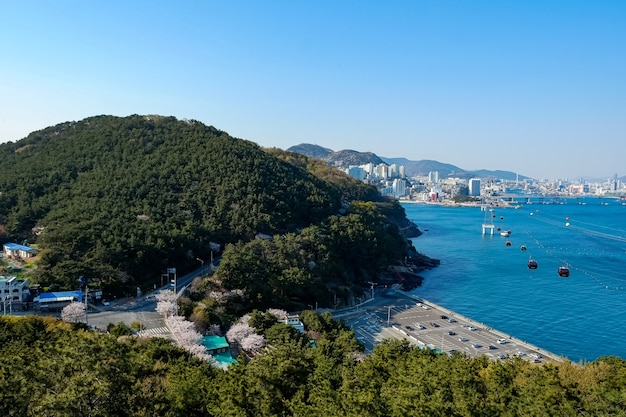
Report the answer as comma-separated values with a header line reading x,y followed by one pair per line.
x,y
580,317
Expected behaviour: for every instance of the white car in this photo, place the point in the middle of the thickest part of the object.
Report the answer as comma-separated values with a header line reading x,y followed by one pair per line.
x,y
472,328
419,326
476,345
463,339
502,341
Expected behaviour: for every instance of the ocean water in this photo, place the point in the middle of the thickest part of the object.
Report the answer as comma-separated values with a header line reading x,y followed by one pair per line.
x,y
581,317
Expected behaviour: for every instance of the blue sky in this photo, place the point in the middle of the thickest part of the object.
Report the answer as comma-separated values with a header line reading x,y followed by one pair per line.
x,y
534,87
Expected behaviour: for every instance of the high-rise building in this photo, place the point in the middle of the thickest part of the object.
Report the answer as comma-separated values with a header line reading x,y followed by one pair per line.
x,y
474,187
433,177
399,188
356,172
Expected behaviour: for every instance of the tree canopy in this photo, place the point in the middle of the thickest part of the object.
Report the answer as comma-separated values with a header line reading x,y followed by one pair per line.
x,y
52,368
119,199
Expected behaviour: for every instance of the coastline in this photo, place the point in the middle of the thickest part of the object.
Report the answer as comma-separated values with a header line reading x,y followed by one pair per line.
x,y
393,314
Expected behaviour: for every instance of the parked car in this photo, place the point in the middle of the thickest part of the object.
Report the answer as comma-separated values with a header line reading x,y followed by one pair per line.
x,y
451,332
463,339
476,345
434,324
443,317
492,347
502,341
451,320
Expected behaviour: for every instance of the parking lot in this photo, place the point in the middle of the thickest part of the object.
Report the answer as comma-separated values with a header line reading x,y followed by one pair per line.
x,y
428,325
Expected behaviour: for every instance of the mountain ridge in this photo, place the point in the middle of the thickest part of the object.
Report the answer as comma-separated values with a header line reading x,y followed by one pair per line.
x,y
346,157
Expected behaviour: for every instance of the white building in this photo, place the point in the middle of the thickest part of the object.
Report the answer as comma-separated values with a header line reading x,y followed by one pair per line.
x,y
474,187
356,172
294,321
17,251
13,292
433,177
399,188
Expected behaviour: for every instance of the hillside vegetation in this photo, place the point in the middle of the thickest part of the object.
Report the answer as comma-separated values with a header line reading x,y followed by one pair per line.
x,y
119,200
48,368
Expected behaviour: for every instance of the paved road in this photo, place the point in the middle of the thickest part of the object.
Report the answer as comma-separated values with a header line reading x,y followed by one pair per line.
x,y
393,314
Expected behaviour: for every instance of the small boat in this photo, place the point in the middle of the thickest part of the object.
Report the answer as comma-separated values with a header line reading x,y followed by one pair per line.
x,y
523,248
532,264
505,233
508,243
563,271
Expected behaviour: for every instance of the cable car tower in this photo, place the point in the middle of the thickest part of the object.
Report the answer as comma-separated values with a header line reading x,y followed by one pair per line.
x,y
488,220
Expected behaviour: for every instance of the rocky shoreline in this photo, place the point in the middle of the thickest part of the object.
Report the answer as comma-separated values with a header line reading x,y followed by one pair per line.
x,y
407,276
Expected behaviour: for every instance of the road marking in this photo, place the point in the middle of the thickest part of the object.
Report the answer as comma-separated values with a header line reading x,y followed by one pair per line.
x,y
157,331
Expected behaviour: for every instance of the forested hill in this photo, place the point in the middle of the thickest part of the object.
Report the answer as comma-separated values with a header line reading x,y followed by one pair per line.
x,y
121,199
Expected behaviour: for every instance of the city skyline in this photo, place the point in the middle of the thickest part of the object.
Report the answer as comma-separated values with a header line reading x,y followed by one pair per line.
x,y
535,87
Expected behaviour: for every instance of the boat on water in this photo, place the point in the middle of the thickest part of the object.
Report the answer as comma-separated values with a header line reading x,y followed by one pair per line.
x,y
523,248
563,271
508,243
532,264
505,233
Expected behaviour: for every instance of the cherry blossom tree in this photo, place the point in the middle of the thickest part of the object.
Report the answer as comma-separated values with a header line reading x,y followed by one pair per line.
x,y
238,332
245,336
73,312
167,303
253,343
278,313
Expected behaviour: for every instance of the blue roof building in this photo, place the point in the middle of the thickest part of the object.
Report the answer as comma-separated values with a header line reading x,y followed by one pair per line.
x,y
15,250
57,300
218,347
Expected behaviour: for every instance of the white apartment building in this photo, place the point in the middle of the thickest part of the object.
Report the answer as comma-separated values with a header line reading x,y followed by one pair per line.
x,y
474,187
13,292
399,188
356,172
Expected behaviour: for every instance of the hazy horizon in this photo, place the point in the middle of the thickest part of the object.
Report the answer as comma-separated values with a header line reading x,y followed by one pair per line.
x,y
530,87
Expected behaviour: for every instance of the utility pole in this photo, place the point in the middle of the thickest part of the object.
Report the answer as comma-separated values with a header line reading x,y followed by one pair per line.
x,y
389,314
86,305
85,287
372,287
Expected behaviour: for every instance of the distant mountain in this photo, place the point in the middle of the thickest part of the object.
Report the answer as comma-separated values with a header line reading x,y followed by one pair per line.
x,y
340,159
423,167
347,157
314,151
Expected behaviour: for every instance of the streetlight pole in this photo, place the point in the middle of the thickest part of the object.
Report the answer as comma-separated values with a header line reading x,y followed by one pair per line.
x,y
372,287
86,305
389,314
